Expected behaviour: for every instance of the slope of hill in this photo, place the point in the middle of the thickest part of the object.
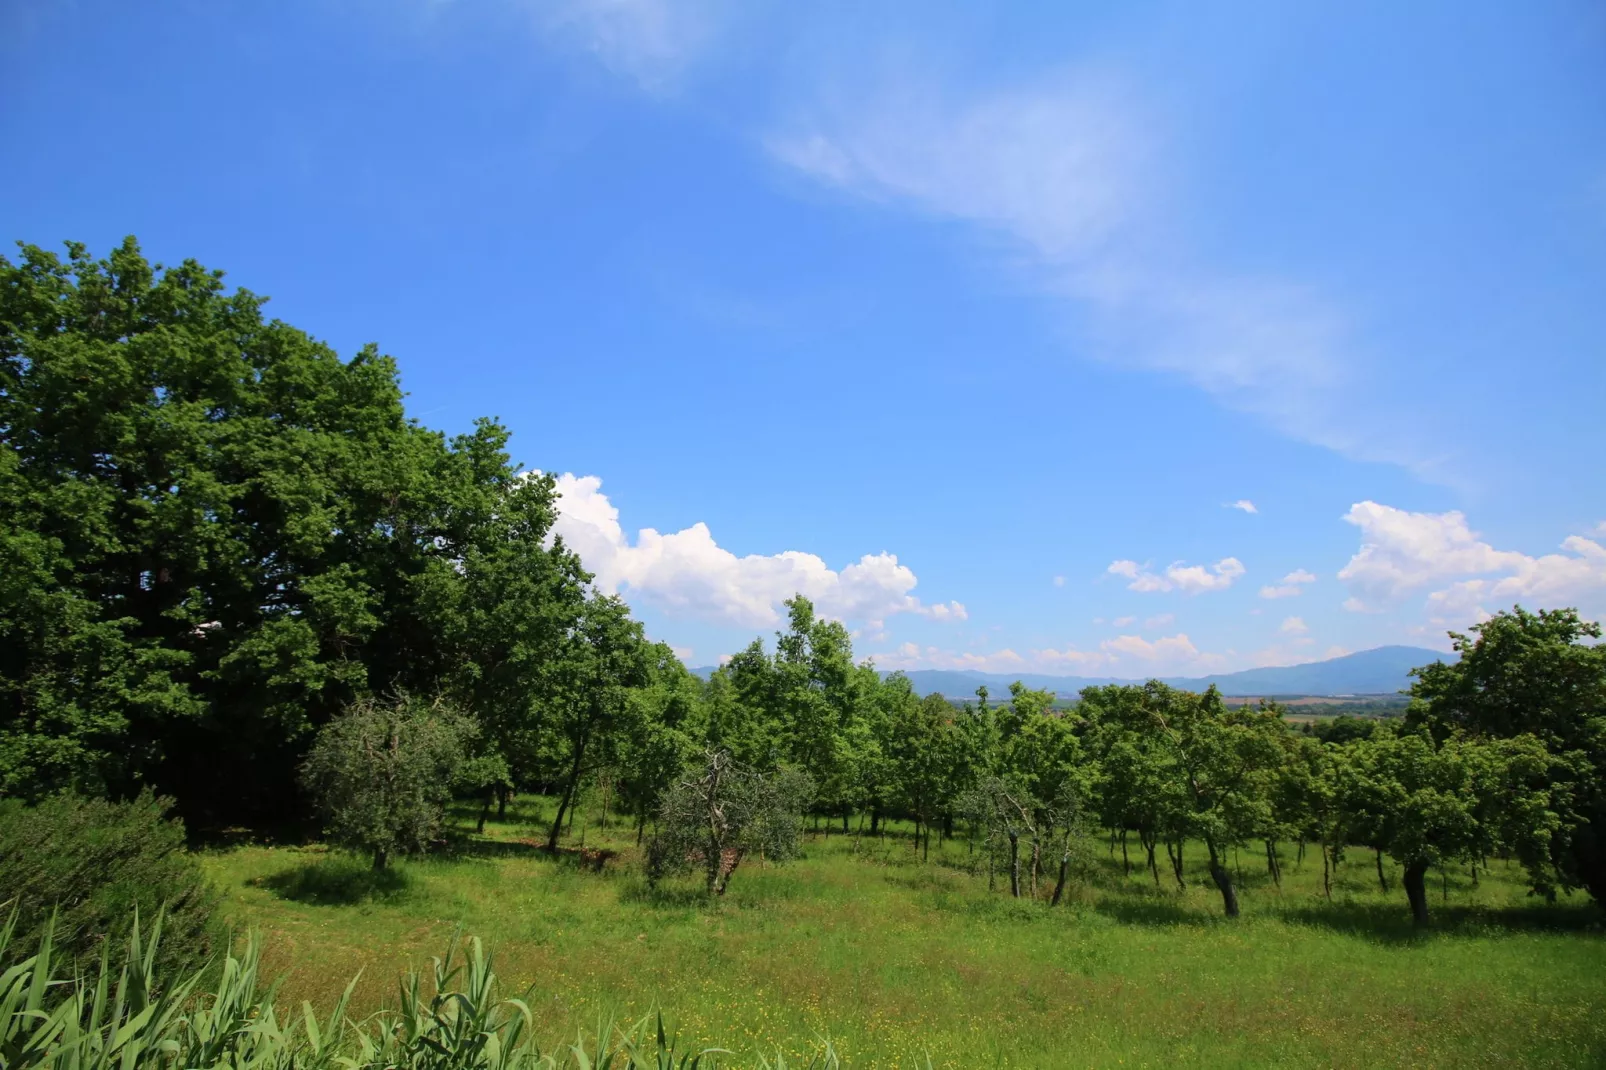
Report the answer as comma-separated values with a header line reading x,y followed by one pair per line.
x,y
1383,670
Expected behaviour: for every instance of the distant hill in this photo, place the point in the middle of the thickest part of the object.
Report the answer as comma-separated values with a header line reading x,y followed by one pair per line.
x,y
1380,671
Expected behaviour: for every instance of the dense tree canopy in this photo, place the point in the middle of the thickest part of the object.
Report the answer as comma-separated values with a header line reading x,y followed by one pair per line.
x,y
1535,678
217,533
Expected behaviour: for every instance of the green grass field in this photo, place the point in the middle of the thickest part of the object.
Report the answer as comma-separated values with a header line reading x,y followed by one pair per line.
x,y
894,958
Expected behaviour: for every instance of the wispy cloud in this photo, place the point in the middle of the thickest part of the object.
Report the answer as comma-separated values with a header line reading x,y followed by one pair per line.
x,y
1243,504
651,42
1065,171
1291,586
1068,174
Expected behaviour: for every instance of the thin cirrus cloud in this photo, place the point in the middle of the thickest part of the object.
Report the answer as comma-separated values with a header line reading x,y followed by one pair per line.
x,y
1064,171
687,573
1189,579
1067,171
653,43
1403,553
1292,585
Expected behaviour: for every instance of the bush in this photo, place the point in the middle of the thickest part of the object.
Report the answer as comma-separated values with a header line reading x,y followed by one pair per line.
x,y
94,862
382,773
723,811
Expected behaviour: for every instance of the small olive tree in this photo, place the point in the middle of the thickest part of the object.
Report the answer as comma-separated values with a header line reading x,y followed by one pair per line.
x,y
382,773
722,812
1003,810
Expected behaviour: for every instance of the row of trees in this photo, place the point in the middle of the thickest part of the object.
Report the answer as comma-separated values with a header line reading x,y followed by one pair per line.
x,y
222,542
1502,753
723,768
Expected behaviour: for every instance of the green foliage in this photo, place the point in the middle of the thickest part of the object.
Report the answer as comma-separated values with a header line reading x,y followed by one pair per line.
x,y
218,534
603,659
382,773
1342,729
1536,676
90,864
807,705
665,725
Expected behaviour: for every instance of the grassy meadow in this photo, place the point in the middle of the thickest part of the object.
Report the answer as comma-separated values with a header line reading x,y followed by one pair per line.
x,y
893,958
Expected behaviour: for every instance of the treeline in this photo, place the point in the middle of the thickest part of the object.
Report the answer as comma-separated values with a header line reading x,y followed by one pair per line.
x,y
1501,754
223,543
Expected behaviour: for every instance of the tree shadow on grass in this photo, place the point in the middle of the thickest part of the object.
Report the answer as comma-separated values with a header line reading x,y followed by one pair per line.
x,y
1391,924
1150,910
1383,923
335,882
586,859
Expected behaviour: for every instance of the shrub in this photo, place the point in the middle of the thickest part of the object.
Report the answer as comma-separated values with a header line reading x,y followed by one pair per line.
x,y
723,811
94,863
382,774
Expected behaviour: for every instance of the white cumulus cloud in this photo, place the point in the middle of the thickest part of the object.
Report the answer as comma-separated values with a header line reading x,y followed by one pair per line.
x,y
1293,626
1189,579
688,573
1244,504
1403,552
1167,654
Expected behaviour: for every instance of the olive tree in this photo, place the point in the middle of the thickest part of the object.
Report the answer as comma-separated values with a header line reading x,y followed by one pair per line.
x,y
382,773
1003,810
722,812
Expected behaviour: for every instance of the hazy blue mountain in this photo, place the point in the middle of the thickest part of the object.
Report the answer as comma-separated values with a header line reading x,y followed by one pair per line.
x,y
1382,670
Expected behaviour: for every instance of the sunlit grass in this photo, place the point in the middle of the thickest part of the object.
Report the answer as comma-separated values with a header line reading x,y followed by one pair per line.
x,y
893,958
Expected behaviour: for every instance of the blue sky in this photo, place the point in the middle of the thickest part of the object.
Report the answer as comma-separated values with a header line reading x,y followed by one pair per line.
x,y
973,324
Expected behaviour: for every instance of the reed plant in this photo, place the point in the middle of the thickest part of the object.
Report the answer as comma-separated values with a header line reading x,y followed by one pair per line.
x,y
131,1017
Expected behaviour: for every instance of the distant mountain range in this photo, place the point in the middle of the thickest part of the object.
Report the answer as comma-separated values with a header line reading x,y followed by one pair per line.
x,y
1383,670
